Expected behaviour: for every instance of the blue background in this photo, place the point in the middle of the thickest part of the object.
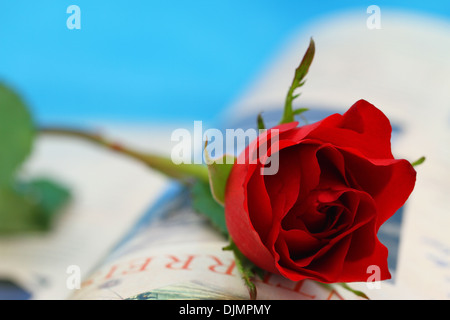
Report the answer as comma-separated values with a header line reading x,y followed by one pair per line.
x,y
151,60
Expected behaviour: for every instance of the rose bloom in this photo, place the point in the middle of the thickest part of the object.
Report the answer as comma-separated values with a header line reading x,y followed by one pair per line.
x,y
318,216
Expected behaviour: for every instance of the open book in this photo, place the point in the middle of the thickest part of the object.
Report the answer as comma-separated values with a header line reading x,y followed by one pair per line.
x,y
130,233
174,253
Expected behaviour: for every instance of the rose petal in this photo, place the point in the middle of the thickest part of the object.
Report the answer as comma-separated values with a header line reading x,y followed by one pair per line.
x,y
324,270
259,205
326,262
362,127
283,190
389,181
238,221
356,267
332,166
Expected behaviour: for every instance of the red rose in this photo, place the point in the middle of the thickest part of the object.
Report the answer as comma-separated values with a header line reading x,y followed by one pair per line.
x,y
318,216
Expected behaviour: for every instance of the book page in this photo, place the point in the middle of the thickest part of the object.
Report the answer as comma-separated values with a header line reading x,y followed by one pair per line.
x,y
175,253
109,193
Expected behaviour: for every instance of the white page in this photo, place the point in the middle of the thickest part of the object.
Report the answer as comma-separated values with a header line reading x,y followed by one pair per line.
x,y
110,192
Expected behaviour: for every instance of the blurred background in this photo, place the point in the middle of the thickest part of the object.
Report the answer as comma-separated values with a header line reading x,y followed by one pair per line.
x,y
154,60
141,68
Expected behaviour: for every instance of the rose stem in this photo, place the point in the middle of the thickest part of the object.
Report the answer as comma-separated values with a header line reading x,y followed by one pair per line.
x,y
182,172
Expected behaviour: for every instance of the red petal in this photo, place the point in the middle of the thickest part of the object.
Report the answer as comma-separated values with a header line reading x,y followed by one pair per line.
x,y
388,181
362,127
238,221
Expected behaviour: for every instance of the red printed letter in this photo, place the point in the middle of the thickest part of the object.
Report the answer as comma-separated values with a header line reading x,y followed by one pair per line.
x,y
185,264
228,270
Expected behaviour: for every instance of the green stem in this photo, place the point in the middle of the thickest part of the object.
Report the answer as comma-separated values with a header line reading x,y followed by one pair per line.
x,y
182,172
288,115
298,81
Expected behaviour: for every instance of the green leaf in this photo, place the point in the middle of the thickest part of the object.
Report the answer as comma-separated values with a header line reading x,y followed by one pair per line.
x,y
24,206
16,134
298,81
51,196
204,203
31,206
418,161
299,111
17,213
246,268
218,171
260,122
